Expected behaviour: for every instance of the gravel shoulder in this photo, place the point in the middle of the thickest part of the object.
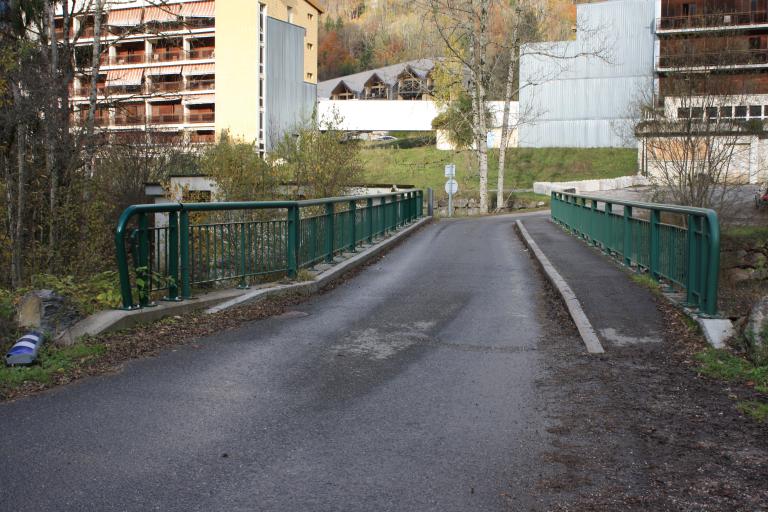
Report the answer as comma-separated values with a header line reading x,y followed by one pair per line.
x,y
640,429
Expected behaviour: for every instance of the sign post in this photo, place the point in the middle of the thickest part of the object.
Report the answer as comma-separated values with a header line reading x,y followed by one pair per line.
x,y
451,186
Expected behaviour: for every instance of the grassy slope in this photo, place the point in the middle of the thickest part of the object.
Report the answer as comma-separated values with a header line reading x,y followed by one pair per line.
x,y
423,166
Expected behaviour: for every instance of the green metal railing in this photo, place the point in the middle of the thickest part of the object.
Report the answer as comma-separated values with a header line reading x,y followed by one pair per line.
x,y
201,243
678,244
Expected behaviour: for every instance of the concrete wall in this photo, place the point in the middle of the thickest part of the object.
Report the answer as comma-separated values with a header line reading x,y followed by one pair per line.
x,y
584,101
587,186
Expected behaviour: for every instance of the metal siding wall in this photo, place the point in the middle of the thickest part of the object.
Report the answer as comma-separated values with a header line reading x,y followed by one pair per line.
x,y
289,100
580,101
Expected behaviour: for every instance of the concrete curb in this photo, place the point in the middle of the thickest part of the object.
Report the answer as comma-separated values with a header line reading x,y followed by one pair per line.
x,y
114,320
583,324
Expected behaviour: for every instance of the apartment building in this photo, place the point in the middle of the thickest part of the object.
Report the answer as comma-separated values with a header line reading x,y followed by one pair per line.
x,y
188,70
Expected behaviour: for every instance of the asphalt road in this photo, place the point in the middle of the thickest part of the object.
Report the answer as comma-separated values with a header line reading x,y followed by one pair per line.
x,y
412,387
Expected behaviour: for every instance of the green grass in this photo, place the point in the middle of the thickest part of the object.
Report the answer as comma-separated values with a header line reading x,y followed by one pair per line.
x,y
51,360
646,281
423,166
749,235
755,409
722,365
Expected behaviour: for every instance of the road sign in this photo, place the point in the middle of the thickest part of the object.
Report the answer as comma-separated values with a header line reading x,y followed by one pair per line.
x,y
451,186
450,170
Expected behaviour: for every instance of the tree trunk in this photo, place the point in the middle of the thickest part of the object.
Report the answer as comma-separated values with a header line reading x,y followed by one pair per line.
x,y
51,126
90,144
505,128
482,106
17,258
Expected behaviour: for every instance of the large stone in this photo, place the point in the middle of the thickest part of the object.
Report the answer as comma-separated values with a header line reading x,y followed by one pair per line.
x,y
757,325
736,275
47,311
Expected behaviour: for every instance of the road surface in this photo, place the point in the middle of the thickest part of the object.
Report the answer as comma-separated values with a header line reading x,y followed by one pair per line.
x,y
410,387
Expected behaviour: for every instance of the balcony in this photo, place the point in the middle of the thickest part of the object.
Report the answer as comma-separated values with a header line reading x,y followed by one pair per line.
x,y
201,85
129,119
202,137
166,119
174,86
700,22
168,55
201,117
200,53
85,90
721,59
131,58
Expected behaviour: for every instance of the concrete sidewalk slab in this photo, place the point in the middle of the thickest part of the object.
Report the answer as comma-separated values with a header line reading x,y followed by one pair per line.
x,y
620,310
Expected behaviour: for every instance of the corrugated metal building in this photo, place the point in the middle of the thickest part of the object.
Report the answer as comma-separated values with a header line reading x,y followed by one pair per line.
x,y
586,101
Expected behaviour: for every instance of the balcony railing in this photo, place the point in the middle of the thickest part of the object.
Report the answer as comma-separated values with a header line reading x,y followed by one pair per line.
x,y
204,85
712,20
202,138
133,58
166,118
168,56
129,119
166,86
723,58
200,53
85,90
201,117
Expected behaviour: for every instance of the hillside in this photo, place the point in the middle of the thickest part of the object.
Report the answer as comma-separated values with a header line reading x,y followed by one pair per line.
x,y
356,35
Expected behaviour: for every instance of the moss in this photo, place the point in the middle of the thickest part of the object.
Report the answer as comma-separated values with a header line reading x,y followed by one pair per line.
x,y
723,365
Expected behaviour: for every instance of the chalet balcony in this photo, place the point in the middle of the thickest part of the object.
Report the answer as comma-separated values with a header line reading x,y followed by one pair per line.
x,y
201,117
722,59
712,20
166,119
174,86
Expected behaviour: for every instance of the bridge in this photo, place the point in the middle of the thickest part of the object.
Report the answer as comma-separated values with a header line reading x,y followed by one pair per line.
x,y
432,380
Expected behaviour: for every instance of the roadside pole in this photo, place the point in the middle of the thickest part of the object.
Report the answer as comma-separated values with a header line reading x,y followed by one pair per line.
x,y
451,186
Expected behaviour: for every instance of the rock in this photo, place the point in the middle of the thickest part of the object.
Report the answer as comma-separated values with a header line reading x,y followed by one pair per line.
x,y
47,311
741,257
757,325
755,260
739,274
540,204
460,203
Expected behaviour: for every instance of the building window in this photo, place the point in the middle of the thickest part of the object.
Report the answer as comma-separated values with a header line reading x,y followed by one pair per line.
x,y
740,111
697,113
711,112
290,14
310,16
309,76
683,113
726,112
309,46
755,111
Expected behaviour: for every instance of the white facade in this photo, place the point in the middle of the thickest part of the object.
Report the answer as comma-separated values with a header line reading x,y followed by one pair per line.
x,y
577,99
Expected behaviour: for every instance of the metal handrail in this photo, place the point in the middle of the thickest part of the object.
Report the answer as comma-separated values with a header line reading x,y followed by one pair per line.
x,y
687,257
324,236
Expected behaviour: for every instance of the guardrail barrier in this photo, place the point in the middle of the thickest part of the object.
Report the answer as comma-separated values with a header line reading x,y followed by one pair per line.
x,y
683,248
176,246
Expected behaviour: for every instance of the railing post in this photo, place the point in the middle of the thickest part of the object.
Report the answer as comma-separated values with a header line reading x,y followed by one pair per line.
x,y
654,243
143,275
293,240
713,263
605,233
352,226
330,231
430,202
243,284
593,221
172,248
383,207
693,261
369,219
186,283
627,248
